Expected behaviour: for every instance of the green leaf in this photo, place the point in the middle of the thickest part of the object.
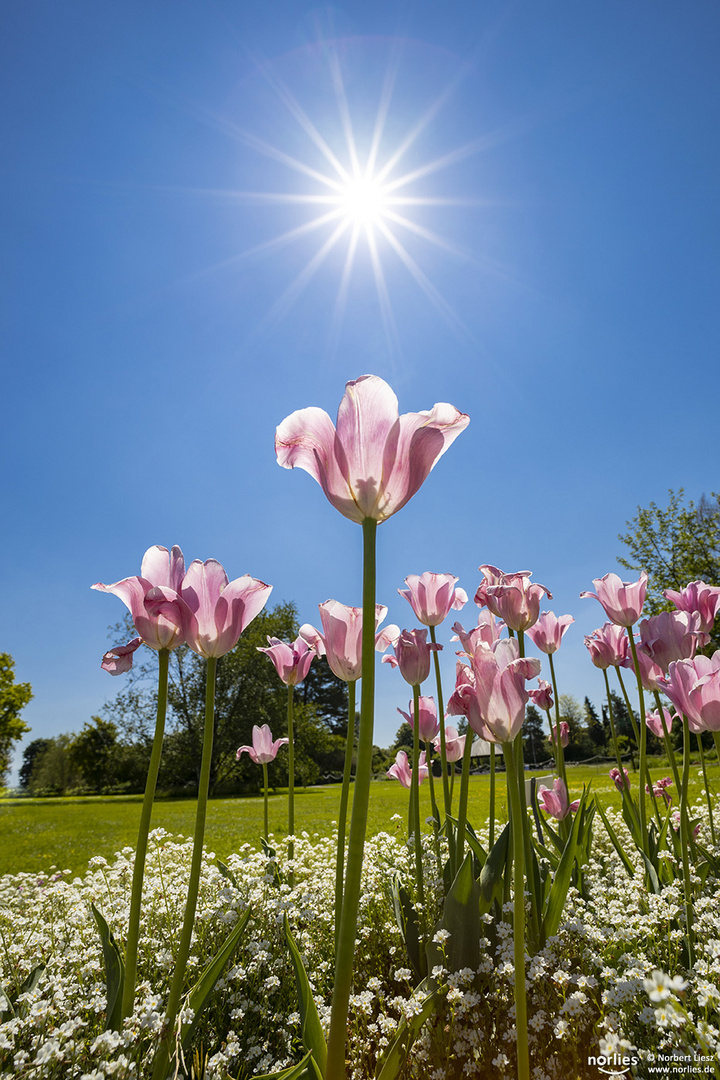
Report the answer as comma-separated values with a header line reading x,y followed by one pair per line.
x,y
310,1026
652,874
226,872
203,988
615,842
7,1001
408,925
561,882
391,1064
306,1069
114,972
461,918
493,871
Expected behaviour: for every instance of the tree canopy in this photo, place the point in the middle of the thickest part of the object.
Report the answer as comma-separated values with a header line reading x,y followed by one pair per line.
x,y
13,699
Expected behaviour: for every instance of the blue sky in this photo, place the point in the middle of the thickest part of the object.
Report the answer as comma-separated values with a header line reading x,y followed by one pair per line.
x,y
564,163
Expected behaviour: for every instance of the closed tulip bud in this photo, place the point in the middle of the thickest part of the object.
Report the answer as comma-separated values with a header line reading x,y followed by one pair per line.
x,y
608,646
549,630
431,596
623,600
428,726
412,656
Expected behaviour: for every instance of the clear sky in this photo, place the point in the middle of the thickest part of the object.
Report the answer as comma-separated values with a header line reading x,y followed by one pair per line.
x,y
547,261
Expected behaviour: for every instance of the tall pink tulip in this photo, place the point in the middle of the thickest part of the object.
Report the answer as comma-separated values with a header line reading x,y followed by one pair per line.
x,y
153,597
412,655
700,598
454,744
608,646
464,702
431,596
488,629
515,599
292,662
341,639
623,600
650,672
373,460
542,697
263,749
500,677
216,611
549,630
564,733
654,722
428,726
669,636
402,770
556,802
693,687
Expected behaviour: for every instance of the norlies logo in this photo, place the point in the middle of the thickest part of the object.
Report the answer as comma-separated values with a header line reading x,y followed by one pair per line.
x,y
611,1064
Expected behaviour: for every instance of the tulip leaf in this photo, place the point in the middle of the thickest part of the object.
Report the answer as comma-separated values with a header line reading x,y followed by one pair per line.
x,y
8,1001
615,842
652,874
202,990
306,1069
226,872
407,923
312,1033
493,871
561,882
461,918
114,972
391,1064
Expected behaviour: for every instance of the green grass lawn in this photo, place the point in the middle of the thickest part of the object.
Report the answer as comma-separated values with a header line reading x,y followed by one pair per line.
x,y
39,833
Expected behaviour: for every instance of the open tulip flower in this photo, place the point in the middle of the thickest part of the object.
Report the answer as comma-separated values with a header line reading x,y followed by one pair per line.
x,y
623,600
500,677
693,687
669,636
428,726
542,697
488,629
454,744
119,659
402,770
464,702
152,598
654,722
341,639
263,749
412,655
620,780
650,672
216,611
700,598
292,662
548,631
431,596
555,802
374,460
564,733
608,646
512,597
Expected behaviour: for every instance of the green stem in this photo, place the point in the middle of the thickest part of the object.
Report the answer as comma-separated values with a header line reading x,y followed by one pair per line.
x,y
612,729
265,800
644,771
131,948
685,840
464,788
417,836
358,822
557,742
429,750
165,1048
523,1056
447,792
631,715
291,785
342,813
491,831
698,736
668,745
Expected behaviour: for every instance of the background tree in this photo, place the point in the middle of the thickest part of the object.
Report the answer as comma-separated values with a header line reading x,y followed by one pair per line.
x,y
598,732
30,755
13,699
623,726
580,745
535,739
675,546
53,772
93,754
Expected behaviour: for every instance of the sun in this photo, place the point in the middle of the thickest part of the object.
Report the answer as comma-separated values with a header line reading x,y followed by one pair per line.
x,y
364,201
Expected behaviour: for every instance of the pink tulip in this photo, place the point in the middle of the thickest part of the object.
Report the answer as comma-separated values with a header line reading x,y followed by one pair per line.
x,y
654,722
216,611
514,598
341,640
650,672
292,662
464,702
574,806
156,615
500,676
555,802
263,749
660,790
700,598
542,697
488,629
676,819
620,782
493,576
412,656
431,596
608,646
374,460
402,769
623,600
691,686
428,726
119,659
454,744
564,733
669,636
548,631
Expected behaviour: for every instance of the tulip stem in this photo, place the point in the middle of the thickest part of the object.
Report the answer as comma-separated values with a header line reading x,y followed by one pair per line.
x,y
342,813
668,745
464,788
171,1011
491,835
291,786
685,840
447,792
644,771
698,737
415,792
265,794
613,732
523,1056
131,948
335,1069
557,741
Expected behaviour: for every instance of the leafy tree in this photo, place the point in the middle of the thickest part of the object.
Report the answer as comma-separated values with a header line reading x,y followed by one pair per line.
x,y
403,739
93,754
13,699
535,747
579,745
53,772
675,546
623,726
30,755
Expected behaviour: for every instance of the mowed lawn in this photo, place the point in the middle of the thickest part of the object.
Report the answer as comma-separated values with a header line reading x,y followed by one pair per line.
x,y
36,834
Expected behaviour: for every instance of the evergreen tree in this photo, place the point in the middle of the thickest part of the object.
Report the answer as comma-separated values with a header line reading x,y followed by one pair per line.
x,y
535,746
595,727
30,755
